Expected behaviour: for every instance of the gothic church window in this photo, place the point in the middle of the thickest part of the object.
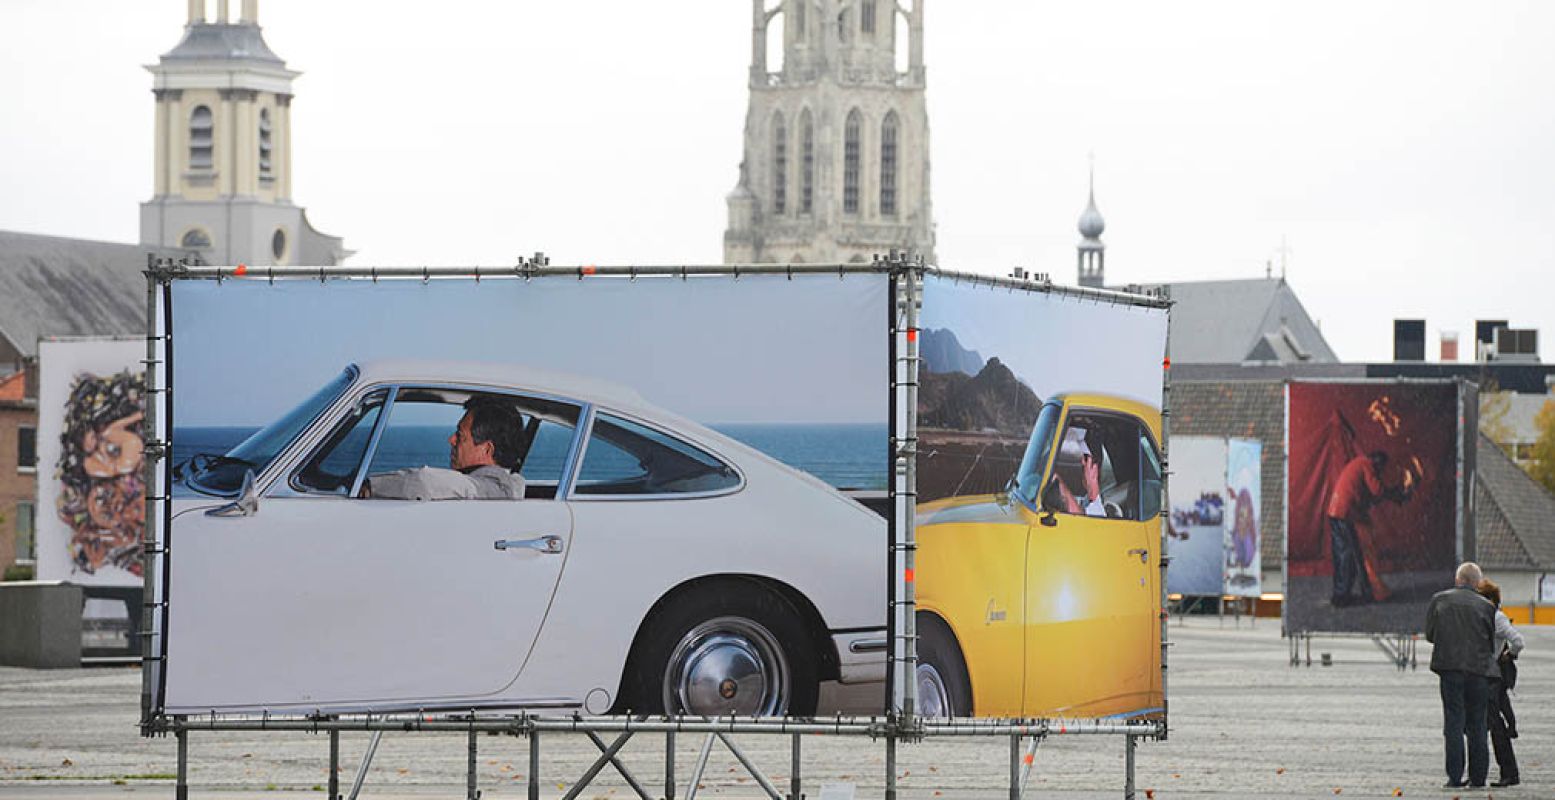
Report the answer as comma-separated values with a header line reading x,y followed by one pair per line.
x,y
850,162
201,138
265,145
799,15
867,17
807,163
779,166
842,26
888,133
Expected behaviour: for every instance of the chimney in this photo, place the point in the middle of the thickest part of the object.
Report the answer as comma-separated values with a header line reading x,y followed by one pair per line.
x,y
1449,347
1408,340
1485,337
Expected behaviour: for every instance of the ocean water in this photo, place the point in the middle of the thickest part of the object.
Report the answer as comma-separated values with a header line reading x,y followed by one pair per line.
x,y
847,456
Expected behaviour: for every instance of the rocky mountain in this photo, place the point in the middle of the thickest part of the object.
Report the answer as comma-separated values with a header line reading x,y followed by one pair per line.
x,y
992,400
942,352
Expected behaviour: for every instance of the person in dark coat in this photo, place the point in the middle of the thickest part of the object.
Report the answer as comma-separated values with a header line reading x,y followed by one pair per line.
x,y
1503,722
1461,624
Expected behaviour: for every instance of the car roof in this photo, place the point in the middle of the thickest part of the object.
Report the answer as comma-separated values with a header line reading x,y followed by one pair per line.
x,y
513,376
1149,413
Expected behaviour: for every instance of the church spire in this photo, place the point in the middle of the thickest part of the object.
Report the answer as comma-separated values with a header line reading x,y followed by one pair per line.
x,y
1092,253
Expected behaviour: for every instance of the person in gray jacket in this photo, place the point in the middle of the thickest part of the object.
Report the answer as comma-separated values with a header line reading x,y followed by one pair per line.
x,y
1503,723
1461,625
481,452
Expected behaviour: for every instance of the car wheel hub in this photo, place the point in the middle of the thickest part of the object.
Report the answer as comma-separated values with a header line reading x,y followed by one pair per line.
x,y
725,666
933,697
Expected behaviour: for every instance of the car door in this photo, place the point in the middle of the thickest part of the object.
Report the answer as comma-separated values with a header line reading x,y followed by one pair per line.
x,y
1088,579
325,597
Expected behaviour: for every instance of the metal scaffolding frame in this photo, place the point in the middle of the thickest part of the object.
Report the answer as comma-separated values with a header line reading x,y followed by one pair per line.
x,y
901,724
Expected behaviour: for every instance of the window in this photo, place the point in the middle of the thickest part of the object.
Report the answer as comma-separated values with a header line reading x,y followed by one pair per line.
x,y
26,533
867,17
1149,478
333,467
625,458
807,164
535,440
799,18
779,166
888,165
26,448
195,239
1028,479
1096,471
201,138
278,244
842,26
850,162
264,142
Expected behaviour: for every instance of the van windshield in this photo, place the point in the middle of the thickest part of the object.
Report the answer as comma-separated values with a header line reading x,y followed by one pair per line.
x,y
223,474
1028,480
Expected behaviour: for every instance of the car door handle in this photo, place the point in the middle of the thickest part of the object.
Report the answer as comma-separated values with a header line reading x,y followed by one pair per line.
x,y
1143,553
543,544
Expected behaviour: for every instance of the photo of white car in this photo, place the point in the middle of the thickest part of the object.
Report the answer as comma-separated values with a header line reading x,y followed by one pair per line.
x,y
644,562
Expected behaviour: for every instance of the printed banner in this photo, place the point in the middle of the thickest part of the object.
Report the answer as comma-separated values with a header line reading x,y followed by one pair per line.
x,y
1372,503
1039,504
1244,487
1195,532
643,495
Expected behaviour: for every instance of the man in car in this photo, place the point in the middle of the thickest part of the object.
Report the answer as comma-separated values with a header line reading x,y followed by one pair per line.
x,y
1091,504
480,452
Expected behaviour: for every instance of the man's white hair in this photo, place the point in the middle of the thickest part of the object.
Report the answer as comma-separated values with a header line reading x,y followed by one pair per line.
x,y
1469,575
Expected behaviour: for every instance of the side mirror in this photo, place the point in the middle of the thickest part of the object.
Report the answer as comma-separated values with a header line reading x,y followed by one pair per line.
x,y
247,504
1052,500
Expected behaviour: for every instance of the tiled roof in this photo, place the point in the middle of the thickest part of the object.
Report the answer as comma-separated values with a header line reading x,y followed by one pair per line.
x,y
1246,410
13,387
1514,515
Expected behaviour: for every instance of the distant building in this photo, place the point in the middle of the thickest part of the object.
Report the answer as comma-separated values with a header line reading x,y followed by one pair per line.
x,y
836,165
224,150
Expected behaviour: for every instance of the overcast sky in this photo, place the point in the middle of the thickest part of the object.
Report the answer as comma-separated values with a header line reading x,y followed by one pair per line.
x,y
1406,150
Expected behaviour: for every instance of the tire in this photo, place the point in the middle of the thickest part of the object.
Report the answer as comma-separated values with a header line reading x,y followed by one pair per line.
x,y
727,648
944,690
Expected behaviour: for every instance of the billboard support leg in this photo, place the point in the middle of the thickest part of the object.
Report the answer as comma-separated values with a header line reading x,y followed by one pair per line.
x,y
367,761
607,757
181,788
669,766
334,765
795,790
1015,767
470,792
626,774
1030,763
750,767
534,765
890,766
696,772
1128,767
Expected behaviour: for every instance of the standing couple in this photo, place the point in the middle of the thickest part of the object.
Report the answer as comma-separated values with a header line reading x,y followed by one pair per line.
x,y
1474,644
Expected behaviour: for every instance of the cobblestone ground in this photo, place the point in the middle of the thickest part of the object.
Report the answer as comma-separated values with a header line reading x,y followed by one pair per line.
x,y
1244,724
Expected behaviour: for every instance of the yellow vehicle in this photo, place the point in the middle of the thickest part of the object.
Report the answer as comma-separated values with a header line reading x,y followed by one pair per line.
x,y
1045,600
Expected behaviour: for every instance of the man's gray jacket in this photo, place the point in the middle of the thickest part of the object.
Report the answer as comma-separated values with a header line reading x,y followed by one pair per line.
x,y
436,483
1461,624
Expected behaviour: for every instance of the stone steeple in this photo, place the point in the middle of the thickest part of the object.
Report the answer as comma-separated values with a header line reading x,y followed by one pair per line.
x,y
836,164
223,183
1092,253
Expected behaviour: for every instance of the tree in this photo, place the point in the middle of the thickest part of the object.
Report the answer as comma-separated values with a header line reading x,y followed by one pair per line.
x,y
1542,466
1494,406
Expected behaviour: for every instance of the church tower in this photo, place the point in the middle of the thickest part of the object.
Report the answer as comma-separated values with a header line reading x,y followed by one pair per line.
x,y
1093,254
223,183
836,162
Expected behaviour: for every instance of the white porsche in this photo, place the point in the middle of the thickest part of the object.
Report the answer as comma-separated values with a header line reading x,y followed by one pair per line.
x,y
652,566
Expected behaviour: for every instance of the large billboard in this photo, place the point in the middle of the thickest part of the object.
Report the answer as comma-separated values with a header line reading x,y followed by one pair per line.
x,y
1373,485
595,494
1195,534
91,498
1039,528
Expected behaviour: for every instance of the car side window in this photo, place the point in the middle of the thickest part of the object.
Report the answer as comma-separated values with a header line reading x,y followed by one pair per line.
x,y
332,468
1149,478
625,458
1095,471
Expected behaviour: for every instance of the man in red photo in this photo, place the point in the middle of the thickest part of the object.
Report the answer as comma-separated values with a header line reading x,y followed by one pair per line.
x,y
1358,488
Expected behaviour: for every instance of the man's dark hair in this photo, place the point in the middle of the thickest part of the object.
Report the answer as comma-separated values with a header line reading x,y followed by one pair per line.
x,y
494,421
1378,457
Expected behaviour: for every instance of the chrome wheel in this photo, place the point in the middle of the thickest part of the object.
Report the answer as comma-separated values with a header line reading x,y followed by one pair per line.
x,y
727,665
933,697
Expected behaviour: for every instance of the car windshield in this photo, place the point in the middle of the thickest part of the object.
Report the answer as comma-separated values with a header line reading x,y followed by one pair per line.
x,y
1028,480
223,475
